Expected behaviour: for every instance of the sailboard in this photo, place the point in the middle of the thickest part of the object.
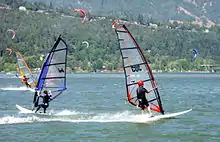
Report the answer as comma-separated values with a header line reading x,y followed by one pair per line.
x,y
26,111
53,71
24,70
137,68
165,116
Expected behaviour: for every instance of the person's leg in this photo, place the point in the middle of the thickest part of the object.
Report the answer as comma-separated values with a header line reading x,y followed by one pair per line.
x,y
45,108
28,85
145,103
39,106
141,105
142,110
149,110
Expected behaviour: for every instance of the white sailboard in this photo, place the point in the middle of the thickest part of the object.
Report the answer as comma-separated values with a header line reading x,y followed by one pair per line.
x,y
165,116
25,110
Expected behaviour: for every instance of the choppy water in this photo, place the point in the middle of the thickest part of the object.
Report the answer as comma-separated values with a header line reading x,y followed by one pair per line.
x,y
93,109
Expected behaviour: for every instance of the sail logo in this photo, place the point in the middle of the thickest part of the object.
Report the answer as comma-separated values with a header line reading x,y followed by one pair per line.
x,y
136,68
60,70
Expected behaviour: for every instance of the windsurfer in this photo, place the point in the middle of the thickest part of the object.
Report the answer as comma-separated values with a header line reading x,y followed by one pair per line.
x,y
46,99
141,97
25,81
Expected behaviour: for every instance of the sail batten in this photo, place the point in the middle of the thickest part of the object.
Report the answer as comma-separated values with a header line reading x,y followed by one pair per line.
x,y
58,50
128,48
136,68
53,72
121,31
55,64
52,77
134,65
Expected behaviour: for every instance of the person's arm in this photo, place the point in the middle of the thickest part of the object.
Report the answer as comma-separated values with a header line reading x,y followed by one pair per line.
x,y
38,93
148,91
51,95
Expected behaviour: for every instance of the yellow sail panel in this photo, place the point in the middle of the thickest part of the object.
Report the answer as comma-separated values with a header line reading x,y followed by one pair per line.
x,y
24,70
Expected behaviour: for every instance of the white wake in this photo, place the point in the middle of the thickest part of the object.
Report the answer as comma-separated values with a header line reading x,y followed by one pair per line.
x,y
82,117
78,117
23,88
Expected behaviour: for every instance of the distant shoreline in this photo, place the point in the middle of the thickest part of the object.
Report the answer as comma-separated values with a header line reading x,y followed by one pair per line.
x,y
118,71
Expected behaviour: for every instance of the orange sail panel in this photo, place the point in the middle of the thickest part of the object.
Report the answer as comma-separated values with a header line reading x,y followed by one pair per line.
x,y
24,70
136,68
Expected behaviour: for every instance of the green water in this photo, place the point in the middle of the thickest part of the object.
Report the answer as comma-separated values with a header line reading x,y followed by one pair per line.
x,y
93,109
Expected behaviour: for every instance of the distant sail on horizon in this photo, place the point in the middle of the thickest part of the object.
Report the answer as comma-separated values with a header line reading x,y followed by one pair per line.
x,y
24,70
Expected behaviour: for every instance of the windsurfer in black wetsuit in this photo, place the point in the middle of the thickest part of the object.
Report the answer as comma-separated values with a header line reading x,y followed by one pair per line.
x,y
46,99
141,97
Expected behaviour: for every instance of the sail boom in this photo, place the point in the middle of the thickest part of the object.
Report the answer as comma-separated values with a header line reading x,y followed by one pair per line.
x,y
56,89
137,83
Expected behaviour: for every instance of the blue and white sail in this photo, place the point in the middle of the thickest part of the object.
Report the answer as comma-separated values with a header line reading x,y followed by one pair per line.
x,y
53,72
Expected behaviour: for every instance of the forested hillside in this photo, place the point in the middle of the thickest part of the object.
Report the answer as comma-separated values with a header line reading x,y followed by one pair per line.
x,y
156,9
168,47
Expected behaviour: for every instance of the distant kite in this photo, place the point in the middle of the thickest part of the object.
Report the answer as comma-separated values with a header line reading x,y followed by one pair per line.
x,y
82,12
10,51
115,22
195,53
87,44
12,32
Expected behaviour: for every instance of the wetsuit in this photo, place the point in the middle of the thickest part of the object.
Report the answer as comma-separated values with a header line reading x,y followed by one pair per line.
x,y
141,97
45,104
24,80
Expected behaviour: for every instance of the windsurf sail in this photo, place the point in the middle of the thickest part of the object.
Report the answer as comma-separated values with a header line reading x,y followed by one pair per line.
x,y
24,70
137,68
53,71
